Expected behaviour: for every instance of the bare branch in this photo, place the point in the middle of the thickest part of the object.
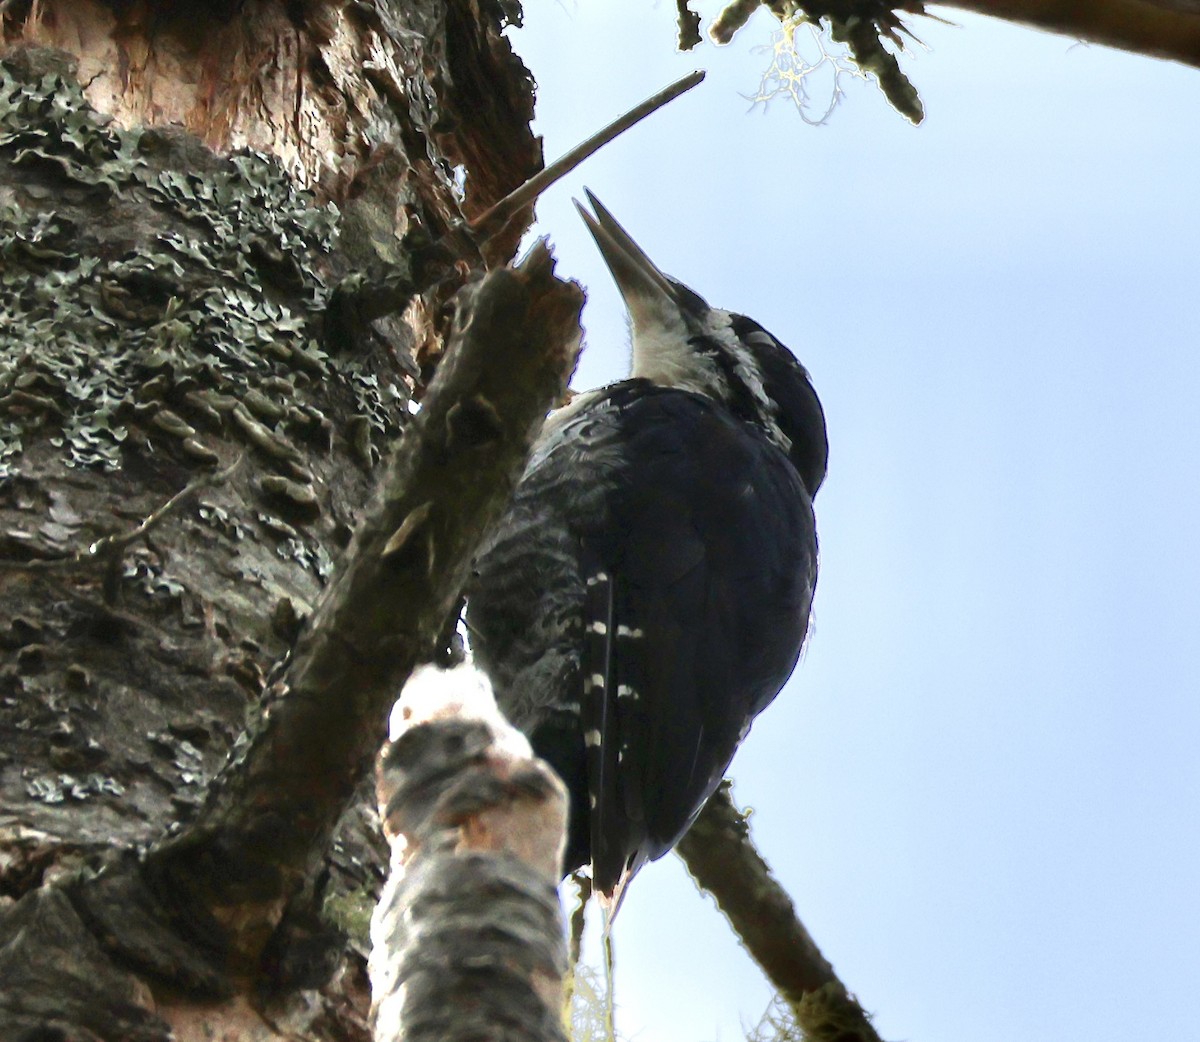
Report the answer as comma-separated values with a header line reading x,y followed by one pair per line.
x,y
109,550
360,300
722,860
270,814
1159,28
494,218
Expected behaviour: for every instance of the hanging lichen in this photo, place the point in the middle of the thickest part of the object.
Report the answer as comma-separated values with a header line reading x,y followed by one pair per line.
x,y
861,25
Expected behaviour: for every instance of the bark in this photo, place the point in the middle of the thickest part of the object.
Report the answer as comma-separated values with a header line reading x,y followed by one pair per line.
x,y
192,408
329,89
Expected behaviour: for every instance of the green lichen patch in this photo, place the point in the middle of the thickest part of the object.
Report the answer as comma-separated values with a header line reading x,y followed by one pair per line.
x,y
161,298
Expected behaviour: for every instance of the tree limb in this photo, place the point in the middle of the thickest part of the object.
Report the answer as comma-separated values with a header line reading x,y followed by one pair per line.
x,y
1159,28
269,816
722,860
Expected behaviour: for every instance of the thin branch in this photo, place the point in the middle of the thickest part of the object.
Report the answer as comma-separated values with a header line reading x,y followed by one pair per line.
x,y
110,549
359,301
496,216
722,860
112,545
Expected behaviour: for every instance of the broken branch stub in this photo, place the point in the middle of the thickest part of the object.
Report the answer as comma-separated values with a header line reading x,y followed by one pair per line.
x,y
468,934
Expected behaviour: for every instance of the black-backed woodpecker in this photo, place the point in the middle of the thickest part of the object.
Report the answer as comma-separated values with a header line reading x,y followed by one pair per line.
x,y
648,592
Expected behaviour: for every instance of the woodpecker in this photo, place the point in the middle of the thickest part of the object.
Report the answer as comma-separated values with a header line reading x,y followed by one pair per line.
x,y
648,592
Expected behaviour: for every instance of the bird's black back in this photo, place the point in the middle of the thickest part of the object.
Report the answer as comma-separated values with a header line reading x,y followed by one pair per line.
x,y
646,595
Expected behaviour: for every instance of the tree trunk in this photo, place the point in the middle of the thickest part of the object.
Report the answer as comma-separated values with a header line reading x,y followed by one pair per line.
x,y
201,362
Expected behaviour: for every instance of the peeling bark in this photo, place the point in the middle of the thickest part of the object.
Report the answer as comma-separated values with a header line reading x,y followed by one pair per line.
x,y
319,86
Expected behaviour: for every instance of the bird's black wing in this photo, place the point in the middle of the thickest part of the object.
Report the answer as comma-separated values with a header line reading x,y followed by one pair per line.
x,y
710,548
682,608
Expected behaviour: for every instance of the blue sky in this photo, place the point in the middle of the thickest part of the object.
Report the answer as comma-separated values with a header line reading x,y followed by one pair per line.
x,y
980,786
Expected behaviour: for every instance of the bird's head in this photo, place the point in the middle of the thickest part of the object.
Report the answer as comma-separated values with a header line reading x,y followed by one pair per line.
x,y
680,341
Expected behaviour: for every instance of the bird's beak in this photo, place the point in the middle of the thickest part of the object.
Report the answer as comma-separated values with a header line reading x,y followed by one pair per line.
x,y
642,285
